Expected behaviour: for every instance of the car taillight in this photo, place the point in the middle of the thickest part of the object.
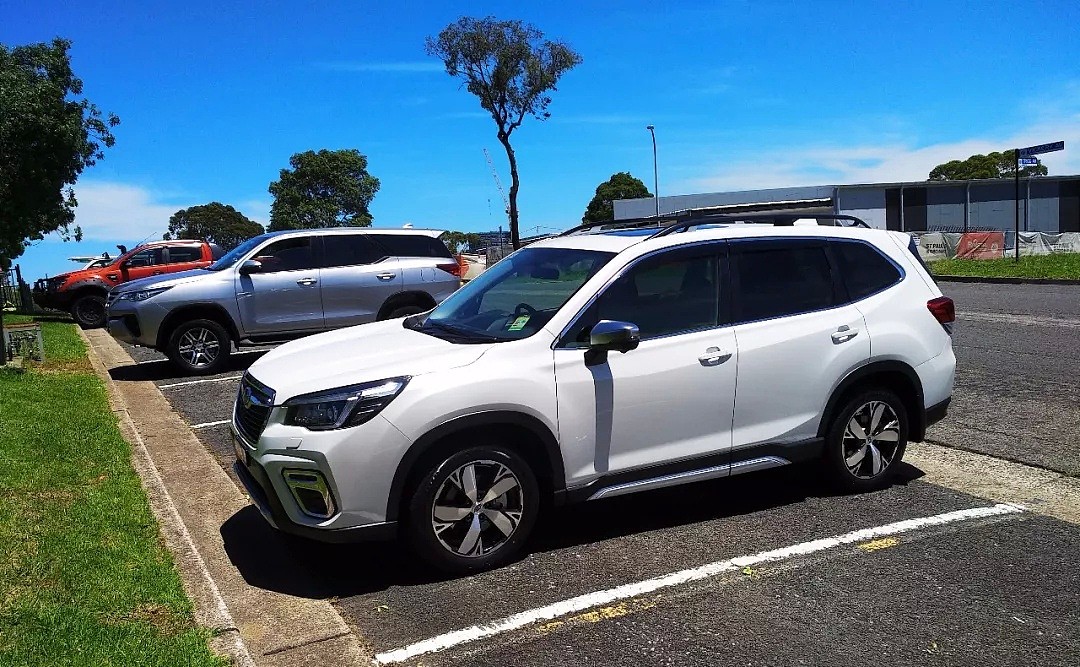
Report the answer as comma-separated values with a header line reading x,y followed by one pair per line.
x,y
944,311
453,269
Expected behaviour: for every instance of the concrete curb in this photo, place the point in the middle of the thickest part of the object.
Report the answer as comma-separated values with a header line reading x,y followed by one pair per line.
x,y
192,497
1005,281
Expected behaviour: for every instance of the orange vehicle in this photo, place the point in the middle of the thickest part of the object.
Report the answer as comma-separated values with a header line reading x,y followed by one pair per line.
x,y
83,292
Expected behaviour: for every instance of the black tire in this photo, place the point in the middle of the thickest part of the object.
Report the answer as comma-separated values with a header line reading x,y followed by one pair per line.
x,y
858,464
405,311
438,549
89,311
185,353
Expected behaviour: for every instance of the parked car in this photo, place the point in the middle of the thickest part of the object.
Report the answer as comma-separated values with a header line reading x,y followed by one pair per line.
x,y
284,285
594,365
83,293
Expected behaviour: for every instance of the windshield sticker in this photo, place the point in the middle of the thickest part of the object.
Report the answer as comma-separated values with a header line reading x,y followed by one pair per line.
x,y
519,323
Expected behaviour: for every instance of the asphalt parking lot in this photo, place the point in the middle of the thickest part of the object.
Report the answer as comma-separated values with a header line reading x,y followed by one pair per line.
x,y
736,571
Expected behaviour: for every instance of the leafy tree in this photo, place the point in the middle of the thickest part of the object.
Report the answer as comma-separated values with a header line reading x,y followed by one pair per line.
x,y
216,222
510,68
992,165
461,241
620,186
49,134
323,189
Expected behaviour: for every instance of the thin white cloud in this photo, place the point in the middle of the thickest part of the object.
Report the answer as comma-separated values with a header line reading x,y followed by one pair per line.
x,y
112,211
401,67
869,163
256,209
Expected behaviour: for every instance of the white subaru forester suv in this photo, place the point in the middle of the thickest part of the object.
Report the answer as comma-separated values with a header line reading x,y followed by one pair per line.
x,y
598,363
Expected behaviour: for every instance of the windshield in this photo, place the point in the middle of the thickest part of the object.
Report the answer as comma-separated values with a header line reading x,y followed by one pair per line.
x,y
515,297
234,255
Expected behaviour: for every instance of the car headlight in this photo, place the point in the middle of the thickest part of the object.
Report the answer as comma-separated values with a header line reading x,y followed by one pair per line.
x,y
343,407
142,294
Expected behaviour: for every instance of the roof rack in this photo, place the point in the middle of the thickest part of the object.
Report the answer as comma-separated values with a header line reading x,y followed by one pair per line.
x,y
775,219
683,220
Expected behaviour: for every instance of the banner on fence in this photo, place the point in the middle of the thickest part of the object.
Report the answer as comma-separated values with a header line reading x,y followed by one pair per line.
x,y
981,245
992,245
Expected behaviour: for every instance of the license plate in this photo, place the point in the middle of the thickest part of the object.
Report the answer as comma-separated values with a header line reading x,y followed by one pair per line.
x,y
241,451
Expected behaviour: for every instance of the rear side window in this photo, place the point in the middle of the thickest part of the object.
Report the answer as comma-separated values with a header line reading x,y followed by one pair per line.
x,y
182,254
350,250
863,270
780,279
413,245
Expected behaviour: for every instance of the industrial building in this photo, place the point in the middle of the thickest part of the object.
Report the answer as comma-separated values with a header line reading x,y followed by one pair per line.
x,y
1047,204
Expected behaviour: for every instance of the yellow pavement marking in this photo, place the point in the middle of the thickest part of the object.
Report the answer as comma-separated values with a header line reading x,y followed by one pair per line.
x,y
602,614
877,545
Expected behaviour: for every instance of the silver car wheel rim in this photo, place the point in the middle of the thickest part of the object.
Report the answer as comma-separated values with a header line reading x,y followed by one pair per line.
x,y
199,347
871,439
477,508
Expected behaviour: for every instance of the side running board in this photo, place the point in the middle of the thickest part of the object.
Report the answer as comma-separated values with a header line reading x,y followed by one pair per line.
x,y
750,465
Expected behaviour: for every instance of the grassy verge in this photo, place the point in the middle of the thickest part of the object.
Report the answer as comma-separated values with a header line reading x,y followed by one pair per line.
x,y
1059,266
84,579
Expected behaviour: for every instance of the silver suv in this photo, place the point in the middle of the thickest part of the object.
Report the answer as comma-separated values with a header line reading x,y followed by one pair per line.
x,y
284,285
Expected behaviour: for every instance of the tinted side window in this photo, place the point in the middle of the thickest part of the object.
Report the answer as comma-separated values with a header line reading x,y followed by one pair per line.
x,y
181,254
149,257
863,269
775,280
287,255
663,295
412,245
349,250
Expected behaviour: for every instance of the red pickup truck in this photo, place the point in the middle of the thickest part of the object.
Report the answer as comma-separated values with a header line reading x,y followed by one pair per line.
x,y
82,293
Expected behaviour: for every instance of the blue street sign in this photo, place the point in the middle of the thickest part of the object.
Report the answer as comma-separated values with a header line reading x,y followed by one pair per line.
x,y
1029,162
1042,148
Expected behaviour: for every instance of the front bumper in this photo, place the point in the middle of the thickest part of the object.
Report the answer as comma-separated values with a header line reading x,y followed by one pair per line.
x,y
358,465
50,299
133,323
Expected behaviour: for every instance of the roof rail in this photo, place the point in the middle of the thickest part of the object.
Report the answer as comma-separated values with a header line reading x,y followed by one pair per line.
x,y
625,223
683,220
775,219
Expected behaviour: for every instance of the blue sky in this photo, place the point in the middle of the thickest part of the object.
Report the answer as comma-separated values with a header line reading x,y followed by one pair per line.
x,y
215,96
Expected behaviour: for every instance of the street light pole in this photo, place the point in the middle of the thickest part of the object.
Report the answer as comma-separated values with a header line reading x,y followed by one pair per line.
x,y
655,173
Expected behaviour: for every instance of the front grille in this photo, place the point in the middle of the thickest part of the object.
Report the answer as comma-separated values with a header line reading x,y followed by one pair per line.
x,y
253,403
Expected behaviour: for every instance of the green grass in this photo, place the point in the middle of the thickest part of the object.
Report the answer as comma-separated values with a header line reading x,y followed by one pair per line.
x,y
84,579
1059,265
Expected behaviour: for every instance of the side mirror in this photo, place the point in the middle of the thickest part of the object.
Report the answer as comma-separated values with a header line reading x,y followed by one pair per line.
x,y
608,335
250,266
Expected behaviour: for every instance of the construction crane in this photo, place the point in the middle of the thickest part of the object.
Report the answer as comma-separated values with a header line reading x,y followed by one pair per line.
x,y
498,184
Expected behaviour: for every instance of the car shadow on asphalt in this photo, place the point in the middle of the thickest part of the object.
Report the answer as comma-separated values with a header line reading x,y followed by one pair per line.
x,y
154,371
274,561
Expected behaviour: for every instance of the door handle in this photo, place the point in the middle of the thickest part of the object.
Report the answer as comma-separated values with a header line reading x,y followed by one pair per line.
x,y
844,334
385,276
714,356
306,281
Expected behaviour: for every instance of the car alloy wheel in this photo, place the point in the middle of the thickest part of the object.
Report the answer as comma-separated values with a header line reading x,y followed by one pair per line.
x,y
477,508
871,439
199,347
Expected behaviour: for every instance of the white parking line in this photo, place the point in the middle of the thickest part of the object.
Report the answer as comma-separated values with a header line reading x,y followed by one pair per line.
x,y
209,424
191,382
599,598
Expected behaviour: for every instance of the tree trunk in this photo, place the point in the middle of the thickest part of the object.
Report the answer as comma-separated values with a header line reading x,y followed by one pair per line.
x,y
515,238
